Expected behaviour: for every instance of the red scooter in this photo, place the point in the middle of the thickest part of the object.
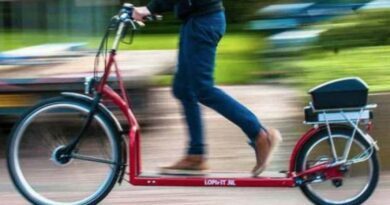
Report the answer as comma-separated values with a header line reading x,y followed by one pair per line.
x,y
72,149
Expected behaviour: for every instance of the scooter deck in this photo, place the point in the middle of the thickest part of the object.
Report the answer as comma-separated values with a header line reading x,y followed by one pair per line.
x,y
216,174
215,179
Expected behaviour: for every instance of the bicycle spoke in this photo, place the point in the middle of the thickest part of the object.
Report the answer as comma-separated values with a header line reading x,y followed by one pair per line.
x,y
44,134
356,177
92,159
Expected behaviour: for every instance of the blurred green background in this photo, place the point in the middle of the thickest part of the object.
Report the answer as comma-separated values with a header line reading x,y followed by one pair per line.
x,y
352,44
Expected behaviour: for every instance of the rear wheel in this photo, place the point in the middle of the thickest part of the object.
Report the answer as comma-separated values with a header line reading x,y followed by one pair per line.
x,y
44,174
359,180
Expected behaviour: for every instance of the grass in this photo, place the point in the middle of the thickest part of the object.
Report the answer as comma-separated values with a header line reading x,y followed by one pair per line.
x,y
14,40
372,64
364,28
237,60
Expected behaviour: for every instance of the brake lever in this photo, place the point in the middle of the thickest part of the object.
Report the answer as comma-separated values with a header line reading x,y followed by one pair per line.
x,y
140,23
153,18
148,18
133,23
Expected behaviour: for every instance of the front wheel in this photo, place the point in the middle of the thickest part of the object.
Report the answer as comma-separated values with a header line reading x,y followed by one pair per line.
x,y
359,180
41,171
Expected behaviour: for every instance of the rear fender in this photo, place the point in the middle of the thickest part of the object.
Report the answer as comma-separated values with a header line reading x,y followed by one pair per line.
x,y
298,146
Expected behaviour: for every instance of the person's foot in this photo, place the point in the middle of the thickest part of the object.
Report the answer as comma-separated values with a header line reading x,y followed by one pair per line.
x,y
188,165
265,145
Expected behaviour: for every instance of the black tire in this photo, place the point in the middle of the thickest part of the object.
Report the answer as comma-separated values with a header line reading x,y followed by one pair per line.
x,y
341,131
14,165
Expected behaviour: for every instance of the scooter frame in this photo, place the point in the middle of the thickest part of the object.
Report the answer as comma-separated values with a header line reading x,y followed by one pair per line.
x,y
137,177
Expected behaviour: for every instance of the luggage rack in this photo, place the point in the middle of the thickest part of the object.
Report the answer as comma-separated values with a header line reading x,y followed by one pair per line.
x,y
352,116
315,116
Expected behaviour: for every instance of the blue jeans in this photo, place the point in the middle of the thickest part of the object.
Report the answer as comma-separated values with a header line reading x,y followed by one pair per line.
x,y
194,82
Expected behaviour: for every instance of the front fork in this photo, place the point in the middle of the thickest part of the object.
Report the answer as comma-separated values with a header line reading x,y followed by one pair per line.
x,y
68,150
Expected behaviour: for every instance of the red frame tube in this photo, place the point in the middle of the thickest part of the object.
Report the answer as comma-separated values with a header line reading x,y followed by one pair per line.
x,y
329,172
215,181
135,151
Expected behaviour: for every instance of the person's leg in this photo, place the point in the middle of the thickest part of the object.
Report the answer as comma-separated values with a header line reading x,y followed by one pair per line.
x,y
183,91
194,161
192,113
206,32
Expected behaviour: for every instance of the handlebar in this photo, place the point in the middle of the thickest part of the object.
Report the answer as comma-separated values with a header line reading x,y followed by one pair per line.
x,y
126,13
120,23
124,19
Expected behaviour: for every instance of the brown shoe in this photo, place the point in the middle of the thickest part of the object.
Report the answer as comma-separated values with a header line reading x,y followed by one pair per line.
x,y
189,165
265,145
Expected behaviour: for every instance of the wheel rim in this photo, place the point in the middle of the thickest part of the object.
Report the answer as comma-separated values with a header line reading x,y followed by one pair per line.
x,y
354,183
64,179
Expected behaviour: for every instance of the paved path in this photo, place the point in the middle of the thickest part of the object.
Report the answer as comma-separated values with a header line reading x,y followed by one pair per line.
x,y
164,141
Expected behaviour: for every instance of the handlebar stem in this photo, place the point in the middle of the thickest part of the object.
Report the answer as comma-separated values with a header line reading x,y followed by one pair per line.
x,y
118,35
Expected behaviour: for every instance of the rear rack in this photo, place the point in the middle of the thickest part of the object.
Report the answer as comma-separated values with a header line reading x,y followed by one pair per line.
x,y
338,115
367,107
353,117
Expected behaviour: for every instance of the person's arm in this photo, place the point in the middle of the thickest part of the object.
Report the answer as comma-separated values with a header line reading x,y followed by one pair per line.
x,y
158,6
153,7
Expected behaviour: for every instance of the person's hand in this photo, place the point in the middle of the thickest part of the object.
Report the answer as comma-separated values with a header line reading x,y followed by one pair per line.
x,y
139,13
